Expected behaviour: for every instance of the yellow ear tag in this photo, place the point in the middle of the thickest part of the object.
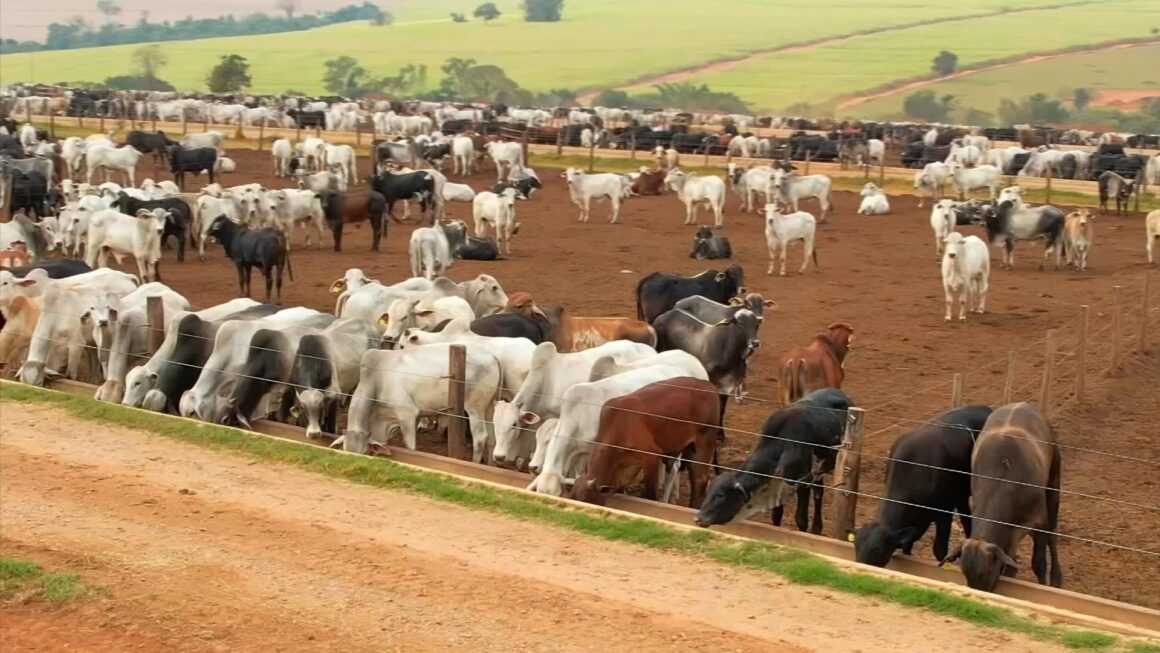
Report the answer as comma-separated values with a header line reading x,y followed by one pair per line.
x,y
947,565
849,537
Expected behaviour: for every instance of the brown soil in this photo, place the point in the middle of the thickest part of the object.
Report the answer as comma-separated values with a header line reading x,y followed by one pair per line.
x,y
877,273
1125,100
201,551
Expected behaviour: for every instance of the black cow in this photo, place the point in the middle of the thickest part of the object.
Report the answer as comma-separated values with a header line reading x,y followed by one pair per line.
x,y
911,156
660,291
248,248
935,154
797,448
707,245
29,190
308,119
511,325
177,219
56,268
269,361
11,147
524,187
1113,186
196,160
477,249
928,477
1007,223
434,153
155,143
419,185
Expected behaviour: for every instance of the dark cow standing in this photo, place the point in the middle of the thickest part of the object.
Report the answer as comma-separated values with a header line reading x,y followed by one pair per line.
x,y
248,248
1007,223
660,291
1113,186
196,160
177,220
29,192
1014,492
155,143
352,208
797,449
707,245
711,312
928,477
524,187
308,119
419,185
723,348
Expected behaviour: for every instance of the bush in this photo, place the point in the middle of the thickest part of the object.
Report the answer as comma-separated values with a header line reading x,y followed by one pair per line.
x,y
924,105
543,11
487,12
231,75
611,97
945,63
137,83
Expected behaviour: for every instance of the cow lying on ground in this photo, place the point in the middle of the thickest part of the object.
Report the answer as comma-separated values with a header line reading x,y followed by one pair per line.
x,y
707,245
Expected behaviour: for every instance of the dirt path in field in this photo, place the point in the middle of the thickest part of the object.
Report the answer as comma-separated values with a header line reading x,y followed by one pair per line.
x,y
927,81
206,551
725,64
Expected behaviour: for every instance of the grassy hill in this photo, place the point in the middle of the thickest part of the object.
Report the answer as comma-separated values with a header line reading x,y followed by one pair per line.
x,y
609,43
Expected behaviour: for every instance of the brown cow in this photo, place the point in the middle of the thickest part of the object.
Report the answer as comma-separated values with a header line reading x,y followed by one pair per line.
x,y
648,182
1077,237
15,256
657,422
819,365
354,207
1015,479
579,333
23,313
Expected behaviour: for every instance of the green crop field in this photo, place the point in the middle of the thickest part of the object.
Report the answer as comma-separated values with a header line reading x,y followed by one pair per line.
x,y
818,74
1117,69
599,44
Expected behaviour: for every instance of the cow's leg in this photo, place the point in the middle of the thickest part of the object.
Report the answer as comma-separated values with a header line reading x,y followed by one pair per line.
x,y
981,295
776,515
949,297
772,258
964,299
818,491
807,252
1038,557
615,202
942,537
268,277
784,246
241,280
802,508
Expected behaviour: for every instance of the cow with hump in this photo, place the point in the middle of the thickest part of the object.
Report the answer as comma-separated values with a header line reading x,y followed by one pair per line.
x,y
818,365
1015,483
660,291
928,478
797,446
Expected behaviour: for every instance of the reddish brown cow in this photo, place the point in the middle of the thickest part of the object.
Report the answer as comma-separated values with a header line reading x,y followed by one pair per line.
x,y
660,420
354,207
649,182
15,256
580,333
805,369
16,336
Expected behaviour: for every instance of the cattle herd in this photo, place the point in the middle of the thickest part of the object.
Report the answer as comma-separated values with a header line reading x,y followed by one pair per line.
x,y
586,405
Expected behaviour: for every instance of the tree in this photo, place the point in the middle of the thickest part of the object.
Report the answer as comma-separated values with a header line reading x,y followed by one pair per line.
x,y
230,75
458,18
486,83
543,11
148,60
288,7
611,97
137,83
383,18
344,76
1033,109
487,12
109,8
945,63
924,105
454,71
978,117
1081,98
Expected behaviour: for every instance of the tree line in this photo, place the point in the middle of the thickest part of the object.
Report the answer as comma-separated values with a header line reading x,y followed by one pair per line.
x,y
1034,109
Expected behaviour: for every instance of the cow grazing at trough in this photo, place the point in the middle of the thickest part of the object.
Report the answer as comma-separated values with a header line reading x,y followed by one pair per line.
x,y
818,365
658,292
1077,237
782,230
1015,484
966,273
797,449
655,424
1008,222
580,333
694,190
874,201
1113,186
706,245
928,477
248,248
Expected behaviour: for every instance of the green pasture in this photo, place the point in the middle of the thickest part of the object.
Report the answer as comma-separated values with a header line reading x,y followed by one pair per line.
x,y
817,75
600,43
1116,69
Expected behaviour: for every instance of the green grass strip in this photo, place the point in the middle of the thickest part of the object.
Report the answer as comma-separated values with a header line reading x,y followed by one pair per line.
x,y
23,580
792,564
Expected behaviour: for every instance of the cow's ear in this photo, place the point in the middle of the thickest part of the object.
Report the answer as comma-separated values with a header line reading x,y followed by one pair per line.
x,y
720,277
1003,557
24,283
606,489
153,376
528,417
424,313
736,301
769,303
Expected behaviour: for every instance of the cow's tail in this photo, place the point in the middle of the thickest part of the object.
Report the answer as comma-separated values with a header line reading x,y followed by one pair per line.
x,y
289,268
639,308
792,379
815,255
652,337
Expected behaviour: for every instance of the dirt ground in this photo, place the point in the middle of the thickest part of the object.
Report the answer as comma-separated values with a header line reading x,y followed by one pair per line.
x,y
879,274
199,551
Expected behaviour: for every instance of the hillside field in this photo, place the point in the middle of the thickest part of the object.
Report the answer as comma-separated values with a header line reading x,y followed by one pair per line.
x,y
603,43
818,74
1108,70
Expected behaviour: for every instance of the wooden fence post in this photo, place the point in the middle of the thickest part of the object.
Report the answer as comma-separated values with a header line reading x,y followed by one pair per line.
x,y
1081,354
632,144
317,130
1047,186
358,135
559,142
1048,373
456,391
847,470
882,173
1143,344
101,122
706,156
154,124
524,147
591,157
957,390
809,155
1139,188
205,123
52,125
1009,383
155,313
261,135
81,120
1117,326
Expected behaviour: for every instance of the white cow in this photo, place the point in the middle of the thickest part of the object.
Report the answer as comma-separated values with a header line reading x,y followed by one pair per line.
x,y
74,226
341,160
159,190
583,188
291,207
967,155
396,388
874,201
72,152
498,211
113,232
1151,232
942,223
781,230
514,354
506,156
282,151
107,158
965,180
212,139
966,268
750,182
314,149
463,154
422,313
791,189
695,190
430,249
931,179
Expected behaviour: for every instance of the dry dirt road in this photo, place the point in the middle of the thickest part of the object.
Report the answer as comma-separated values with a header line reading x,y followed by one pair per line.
x,y
203,551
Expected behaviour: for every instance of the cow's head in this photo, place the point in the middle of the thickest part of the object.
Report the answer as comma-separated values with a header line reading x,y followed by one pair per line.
x,y
522,303
875,543
982,563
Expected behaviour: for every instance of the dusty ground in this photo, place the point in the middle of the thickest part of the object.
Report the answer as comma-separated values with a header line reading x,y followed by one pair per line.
x,y
879,274
199,551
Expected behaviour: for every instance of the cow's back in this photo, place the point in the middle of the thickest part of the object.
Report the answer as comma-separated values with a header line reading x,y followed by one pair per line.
x,y
1013,460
